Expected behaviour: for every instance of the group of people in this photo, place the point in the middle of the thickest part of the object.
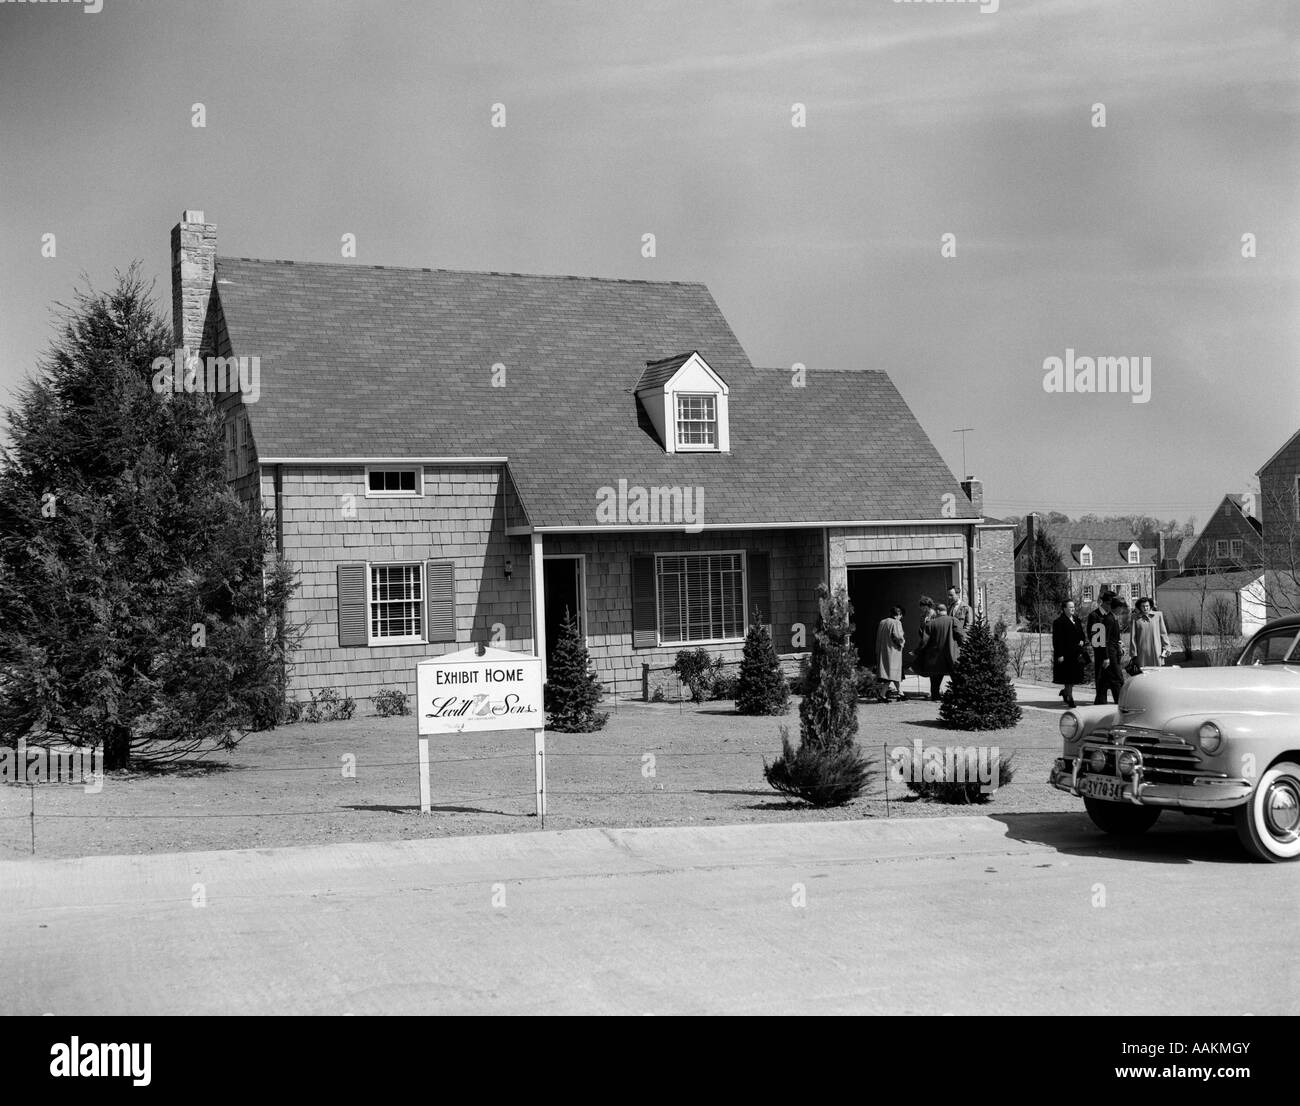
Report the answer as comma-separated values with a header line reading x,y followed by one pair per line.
x,y
1105,638
944,626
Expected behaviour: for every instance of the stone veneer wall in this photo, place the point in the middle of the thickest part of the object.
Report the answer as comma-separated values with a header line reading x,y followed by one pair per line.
x,y
995,572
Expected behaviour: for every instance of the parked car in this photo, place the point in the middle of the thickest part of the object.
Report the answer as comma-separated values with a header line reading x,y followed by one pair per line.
x,y
1218,742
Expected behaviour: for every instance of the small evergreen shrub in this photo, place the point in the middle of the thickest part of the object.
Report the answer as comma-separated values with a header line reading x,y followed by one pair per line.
x,y
954,791
820,777
980,695
390,702
573,690
726,685
761,686
870,686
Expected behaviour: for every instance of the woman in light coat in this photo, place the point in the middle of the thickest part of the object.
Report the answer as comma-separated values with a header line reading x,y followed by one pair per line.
x,y
1148,640
889,654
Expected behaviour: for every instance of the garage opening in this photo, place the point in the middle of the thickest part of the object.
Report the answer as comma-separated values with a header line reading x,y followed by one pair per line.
x,y
872,591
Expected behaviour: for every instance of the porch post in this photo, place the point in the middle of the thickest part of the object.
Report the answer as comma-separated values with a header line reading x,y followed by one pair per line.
x,y
539,603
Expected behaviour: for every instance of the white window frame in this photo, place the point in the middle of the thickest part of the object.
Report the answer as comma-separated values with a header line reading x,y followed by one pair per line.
x,y
1237,548
1220,547
419,482
418,639
1089,593
744,587
697,447
1134,555
1085,557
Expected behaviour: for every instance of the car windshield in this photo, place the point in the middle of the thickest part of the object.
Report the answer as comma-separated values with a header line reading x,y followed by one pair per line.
x,y
1276,648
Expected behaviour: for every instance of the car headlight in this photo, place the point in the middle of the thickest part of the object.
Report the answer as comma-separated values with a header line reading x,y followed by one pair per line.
x,y
1070,726
1127,762
1210,737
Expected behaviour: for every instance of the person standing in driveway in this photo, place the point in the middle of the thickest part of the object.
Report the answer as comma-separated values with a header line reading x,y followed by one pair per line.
x,y
941,647
1148,638
889,654
960,611
1069,645
1104,637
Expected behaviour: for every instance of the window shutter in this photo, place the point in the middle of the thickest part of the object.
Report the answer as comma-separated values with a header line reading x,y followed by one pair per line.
x,y
352,603
760,588
440,595
645,628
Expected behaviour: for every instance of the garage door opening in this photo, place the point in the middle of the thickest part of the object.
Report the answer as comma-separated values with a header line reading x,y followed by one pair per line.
x,y
872,591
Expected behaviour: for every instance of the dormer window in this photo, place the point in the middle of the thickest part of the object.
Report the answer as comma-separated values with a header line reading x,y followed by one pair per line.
x,y
697,422
1085,557
686,402
1134,555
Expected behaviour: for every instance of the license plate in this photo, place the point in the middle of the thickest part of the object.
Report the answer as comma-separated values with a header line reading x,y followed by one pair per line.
x,y
1102,787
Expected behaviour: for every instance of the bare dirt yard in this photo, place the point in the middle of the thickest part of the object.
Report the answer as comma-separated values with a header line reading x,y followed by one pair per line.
x,y
653,765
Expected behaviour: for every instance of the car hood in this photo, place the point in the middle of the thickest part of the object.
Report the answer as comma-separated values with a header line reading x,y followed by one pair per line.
x,y
1163,693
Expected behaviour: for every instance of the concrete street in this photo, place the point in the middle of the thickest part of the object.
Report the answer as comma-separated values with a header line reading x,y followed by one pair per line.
x,y
1024,914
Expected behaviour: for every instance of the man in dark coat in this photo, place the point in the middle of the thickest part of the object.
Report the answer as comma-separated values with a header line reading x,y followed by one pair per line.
x,y
940,648
1103,636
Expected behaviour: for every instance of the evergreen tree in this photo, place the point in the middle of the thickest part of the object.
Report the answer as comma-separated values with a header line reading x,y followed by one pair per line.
x,y
134,613
572,690
1042,582
762,686
980,695
827,769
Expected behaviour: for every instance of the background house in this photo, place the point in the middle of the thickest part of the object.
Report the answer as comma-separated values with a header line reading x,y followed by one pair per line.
x,y
1223,604
1096,561
452,457
1279,515
1230,541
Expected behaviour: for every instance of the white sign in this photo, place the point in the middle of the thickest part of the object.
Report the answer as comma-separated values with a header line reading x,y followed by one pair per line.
x,y
488,689
464,691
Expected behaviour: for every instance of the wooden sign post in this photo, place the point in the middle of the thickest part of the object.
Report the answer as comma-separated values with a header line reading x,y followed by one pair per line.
x,y
481,688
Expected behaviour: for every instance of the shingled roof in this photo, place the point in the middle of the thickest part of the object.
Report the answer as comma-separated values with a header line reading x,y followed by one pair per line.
x,y
364,361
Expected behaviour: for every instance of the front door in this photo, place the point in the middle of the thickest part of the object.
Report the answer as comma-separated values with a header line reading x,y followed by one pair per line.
x,y
562,591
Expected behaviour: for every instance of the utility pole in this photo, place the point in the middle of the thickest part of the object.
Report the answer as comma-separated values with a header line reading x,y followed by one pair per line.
x,y
963,432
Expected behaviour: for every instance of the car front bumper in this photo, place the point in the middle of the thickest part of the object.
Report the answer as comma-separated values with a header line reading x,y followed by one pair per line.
x,y
1198,792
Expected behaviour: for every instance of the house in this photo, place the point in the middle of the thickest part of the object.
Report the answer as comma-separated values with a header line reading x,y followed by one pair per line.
x,y
1225,603
1279,515
1097,561
456,457
1230,540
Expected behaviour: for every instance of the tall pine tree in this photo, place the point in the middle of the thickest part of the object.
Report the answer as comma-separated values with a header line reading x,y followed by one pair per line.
x,y
828,768
138,610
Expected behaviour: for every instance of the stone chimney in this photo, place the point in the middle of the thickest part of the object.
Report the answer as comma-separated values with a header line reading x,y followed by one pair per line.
x,y
1031,529
974,490
194,262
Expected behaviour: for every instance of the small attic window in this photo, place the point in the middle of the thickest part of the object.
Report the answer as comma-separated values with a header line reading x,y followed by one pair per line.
x,y
394,481
1134,555
697,422
1085,557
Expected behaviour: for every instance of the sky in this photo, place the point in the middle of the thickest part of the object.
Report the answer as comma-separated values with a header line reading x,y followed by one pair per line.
x,y
822,244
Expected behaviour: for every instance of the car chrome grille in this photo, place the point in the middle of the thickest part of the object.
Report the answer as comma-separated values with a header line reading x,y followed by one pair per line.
x,y
1166,758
